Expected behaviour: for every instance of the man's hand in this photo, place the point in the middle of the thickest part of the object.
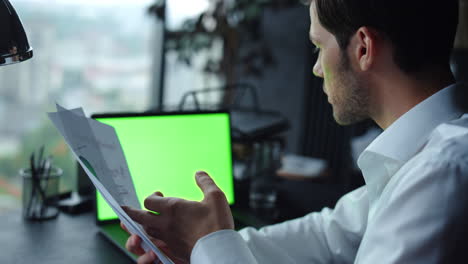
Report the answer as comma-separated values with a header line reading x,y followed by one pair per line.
x,y
181,223
134,245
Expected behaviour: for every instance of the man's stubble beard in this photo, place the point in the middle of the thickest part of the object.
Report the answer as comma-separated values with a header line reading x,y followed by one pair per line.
x,y
351,103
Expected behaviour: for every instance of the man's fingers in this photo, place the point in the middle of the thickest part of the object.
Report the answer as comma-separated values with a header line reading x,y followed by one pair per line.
x,y
207,185
141,216
124,227
148,258
134,245
158,242
156,202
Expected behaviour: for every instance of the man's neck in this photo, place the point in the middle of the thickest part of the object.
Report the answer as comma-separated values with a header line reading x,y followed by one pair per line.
x,y
397,95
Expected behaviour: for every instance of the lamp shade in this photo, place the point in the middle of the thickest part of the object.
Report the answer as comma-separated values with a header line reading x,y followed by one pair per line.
x,y
14,46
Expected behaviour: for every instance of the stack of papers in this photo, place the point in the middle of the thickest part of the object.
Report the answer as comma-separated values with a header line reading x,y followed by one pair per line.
x,y
97,148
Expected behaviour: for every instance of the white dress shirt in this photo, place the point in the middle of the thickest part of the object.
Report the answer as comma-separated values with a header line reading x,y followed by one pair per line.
x,y
416,175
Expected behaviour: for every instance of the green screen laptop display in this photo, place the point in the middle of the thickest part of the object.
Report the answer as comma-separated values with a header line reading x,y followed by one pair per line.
x,y
163,153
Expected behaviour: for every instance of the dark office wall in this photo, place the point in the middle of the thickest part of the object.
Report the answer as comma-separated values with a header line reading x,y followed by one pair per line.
x,y
281,86
459,61
459,65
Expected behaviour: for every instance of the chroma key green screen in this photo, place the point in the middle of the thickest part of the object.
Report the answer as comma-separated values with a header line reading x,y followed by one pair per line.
x,y
163,153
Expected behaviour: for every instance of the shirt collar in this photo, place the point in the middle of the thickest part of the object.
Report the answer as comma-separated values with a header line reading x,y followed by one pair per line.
x,y
403,139
408,134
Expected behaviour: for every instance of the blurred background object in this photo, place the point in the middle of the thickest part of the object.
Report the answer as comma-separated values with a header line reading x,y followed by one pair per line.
x,y
40,187
14,45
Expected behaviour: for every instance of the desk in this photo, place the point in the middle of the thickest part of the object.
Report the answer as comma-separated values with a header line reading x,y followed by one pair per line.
x,y
67,239
75,239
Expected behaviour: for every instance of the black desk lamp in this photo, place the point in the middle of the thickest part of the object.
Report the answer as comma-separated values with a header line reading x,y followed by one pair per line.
x,y
14,45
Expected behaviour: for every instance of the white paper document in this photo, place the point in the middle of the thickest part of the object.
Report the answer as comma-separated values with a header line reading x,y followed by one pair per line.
x,y
97,148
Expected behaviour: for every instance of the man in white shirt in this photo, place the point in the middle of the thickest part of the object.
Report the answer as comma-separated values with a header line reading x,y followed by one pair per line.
x,y
387,60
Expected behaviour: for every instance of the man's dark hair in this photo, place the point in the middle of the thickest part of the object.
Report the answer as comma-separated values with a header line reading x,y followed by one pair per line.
x,y
422,32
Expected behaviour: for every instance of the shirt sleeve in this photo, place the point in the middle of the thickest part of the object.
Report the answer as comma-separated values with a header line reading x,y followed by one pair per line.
x,y
422,213
326,237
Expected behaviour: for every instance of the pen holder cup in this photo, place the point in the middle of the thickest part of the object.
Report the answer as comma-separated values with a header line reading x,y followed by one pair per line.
x,y
40,194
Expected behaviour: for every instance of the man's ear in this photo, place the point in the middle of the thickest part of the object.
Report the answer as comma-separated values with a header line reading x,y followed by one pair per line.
x,y
364,48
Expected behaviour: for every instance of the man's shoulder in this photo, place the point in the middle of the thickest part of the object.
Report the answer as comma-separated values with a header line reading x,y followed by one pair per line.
x,y
443,159
450,131
449,141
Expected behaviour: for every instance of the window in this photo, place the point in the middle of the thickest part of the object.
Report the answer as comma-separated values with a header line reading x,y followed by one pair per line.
x,y
94,54
180,77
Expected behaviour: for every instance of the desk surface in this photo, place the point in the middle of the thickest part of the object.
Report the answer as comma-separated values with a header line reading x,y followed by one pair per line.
x,y
75,239
67,239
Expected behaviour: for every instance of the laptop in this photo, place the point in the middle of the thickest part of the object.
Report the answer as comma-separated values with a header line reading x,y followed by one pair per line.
x,y
163,152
